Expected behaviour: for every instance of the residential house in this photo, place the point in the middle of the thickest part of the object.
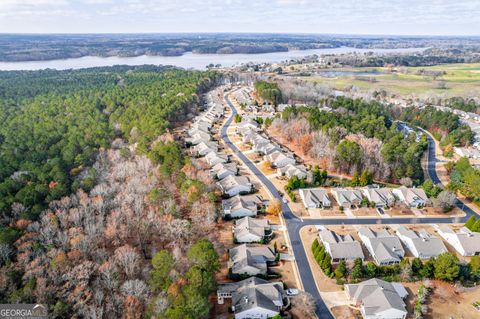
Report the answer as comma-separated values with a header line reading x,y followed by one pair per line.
x,y
258,141
267,148
222,170
235,185
249,136
340,247
251,230
291,170
386,249
315,198
198,137
254,298
379,299
382,197
421,243
466,242
214,158
280,159
347,198
251,260
247,124
241,206
412,197
204,148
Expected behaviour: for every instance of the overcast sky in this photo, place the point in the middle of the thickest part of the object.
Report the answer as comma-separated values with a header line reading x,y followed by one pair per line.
x,y
407,17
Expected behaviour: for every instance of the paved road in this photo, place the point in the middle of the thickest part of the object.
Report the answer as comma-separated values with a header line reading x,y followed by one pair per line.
x,y
294,224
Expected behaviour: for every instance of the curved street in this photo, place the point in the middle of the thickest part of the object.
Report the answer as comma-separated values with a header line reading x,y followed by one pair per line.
x,y
294,224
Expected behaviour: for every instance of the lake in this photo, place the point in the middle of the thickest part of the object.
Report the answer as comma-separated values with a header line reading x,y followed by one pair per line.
x,y
188,60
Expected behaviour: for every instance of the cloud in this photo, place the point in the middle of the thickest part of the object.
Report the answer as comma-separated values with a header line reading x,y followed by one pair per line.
x,y
316,16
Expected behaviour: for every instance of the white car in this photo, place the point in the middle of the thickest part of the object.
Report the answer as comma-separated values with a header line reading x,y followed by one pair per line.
x,y
292,292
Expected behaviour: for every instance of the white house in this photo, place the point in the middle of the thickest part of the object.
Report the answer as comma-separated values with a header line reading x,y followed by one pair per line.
x,y
251,230
280,159
466,242
235,185
412,197
379,299
315,198
421,244
241,206
254,298
386,249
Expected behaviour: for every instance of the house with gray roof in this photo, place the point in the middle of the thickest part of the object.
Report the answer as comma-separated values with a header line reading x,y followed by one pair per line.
x,y
386,249
267,148
214,158
315,198
251,260
254,298
466,242
347,198
340,247
247,124
222,170
251,230
412,197
241,206
198,137
381,197
280,159
291,170
235,185
379,299
421,243
203,148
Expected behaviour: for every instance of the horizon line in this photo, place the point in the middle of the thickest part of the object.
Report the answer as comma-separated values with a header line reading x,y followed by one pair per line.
x,y
245,33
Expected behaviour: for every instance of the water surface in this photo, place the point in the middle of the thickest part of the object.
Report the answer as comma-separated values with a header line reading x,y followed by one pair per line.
x,y
188,60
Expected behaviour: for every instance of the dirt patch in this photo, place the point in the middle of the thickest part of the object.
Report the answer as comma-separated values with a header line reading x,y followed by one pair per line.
x,y
447,301
431,211
345,312
364,211
399,211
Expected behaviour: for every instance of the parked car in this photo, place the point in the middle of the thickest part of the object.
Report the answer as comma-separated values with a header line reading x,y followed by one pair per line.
x,y
292,292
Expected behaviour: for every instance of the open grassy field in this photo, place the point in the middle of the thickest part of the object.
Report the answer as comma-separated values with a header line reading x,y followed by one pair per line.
x,y
459,79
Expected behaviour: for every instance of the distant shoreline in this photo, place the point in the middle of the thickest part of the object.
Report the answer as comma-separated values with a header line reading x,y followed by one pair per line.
x,y
187,60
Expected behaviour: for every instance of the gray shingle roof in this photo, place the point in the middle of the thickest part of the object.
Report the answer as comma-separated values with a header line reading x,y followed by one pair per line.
x,y
377,296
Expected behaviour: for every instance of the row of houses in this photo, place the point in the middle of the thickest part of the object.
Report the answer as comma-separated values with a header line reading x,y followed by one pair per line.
x,y
386,248
353,197
282,160
253,297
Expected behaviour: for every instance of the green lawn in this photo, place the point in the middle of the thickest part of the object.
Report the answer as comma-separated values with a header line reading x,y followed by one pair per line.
x,y
460,79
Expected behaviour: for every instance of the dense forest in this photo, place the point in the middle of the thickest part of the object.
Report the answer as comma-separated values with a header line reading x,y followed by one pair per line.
x,y
355,137
55,122
445,126
268,92
102,214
